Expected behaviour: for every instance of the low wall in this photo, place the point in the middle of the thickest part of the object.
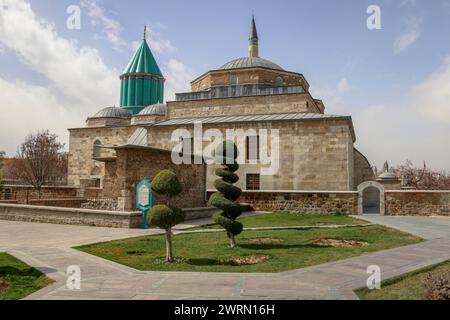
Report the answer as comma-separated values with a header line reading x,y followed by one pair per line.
x,y
326,202
23,194
63,203
98,218
417,202
76,216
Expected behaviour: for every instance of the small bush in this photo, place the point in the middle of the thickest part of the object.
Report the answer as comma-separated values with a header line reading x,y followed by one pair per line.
x,y
166,183
165,217
437,286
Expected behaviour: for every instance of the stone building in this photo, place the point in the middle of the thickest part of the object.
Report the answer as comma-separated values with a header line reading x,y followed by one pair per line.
x,y
316,149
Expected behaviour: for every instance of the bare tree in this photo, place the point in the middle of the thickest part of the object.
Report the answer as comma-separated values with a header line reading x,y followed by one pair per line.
x,y
423,178
2,156
39,159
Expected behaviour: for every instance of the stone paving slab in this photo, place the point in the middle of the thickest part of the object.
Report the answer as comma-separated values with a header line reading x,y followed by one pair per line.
x,y
103,279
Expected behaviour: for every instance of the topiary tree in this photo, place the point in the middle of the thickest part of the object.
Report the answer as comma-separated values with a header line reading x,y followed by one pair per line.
x,y
165,216
226,197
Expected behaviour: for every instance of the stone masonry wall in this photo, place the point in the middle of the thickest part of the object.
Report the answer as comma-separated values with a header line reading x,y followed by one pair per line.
x,y
314,155
281,103
23,194
248,76
81,143
422,203
303,202
73,216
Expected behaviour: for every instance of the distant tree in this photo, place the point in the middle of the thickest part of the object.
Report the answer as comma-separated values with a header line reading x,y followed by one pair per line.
x,y
227,195
39,158
423,178
2,156
165,216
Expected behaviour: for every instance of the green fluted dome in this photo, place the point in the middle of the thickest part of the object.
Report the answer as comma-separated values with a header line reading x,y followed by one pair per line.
x,y
142,83
143,62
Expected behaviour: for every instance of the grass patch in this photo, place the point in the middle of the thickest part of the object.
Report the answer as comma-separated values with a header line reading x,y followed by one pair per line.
x,y
285,249
17,279
405,287
286,219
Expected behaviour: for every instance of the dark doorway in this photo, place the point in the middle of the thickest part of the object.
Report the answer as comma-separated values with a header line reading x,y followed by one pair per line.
x,y
371,200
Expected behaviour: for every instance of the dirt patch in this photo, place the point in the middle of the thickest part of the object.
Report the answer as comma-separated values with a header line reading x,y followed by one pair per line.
x,y
245,260
265,241
4,285
339,243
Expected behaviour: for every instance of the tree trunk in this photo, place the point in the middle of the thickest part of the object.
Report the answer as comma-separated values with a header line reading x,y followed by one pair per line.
x,y
169,255
232,240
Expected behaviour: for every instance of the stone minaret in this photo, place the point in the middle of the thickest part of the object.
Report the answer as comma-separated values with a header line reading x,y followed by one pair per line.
x,y
253,51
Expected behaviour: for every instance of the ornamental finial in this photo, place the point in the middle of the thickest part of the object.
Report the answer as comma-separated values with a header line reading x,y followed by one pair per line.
x,y
145,32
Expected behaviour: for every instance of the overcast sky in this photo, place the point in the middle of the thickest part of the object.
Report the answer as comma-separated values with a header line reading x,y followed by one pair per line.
x,y
394,82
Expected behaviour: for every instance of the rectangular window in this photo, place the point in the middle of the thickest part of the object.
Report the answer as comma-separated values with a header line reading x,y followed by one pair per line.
x,y
187,145
252,148
253,181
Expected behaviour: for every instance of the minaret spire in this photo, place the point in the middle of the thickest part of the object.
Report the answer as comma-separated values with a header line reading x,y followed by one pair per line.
x,y
253,49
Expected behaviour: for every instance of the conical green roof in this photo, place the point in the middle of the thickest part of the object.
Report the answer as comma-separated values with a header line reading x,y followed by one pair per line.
x,y
143,62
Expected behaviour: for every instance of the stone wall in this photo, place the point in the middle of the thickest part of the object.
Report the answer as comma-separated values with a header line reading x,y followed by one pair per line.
x,y
314,154
363,170
24,194
422,203
280,103
248,76
328,202
132,165
64,203
81,146
73,216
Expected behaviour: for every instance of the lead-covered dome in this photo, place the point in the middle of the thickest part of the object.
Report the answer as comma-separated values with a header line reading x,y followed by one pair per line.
x,y
154,109
250,62
112,112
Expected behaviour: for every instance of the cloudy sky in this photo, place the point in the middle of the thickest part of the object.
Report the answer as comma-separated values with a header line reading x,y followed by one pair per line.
x,y
395,82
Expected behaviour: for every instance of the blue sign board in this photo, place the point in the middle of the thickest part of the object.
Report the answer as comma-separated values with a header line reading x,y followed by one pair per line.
x,y
144,199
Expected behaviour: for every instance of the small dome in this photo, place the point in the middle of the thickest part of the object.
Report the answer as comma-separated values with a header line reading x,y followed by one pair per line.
x,y
250,62
387,176
154,109
112,112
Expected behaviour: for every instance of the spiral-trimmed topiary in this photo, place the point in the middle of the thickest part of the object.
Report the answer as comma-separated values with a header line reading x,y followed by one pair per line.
x,y
227,194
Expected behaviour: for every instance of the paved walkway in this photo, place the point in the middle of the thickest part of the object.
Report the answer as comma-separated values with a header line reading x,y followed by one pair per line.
x,y
48,247
424,227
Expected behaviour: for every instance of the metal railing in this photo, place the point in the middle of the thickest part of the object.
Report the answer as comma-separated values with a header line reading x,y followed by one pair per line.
x,y
237,91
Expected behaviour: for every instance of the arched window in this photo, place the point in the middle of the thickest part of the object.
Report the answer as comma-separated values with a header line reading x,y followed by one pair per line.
x,y
279,81
96,152
234,80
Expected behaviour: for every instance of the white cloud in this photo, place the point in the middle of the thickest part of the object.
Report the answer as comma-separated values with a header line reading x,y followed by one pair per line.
x,y
332,96
178,78
79,83
111,28
343,86
409,36
27,108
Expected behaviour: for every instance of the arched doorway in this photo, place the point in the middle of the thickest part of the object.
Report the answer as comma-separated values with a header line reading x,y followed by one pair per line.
x,y
371,198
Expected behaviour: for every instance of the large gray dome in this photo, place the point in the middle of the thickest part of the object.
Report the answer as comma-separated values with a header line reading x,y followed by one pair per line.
x,y
249,62
112,112
154,109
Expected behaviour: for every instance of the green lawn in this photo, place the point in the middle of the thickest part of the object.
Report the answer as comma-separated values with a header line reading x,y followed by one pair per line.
x,y
406,287
283,249
283,219
17,279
